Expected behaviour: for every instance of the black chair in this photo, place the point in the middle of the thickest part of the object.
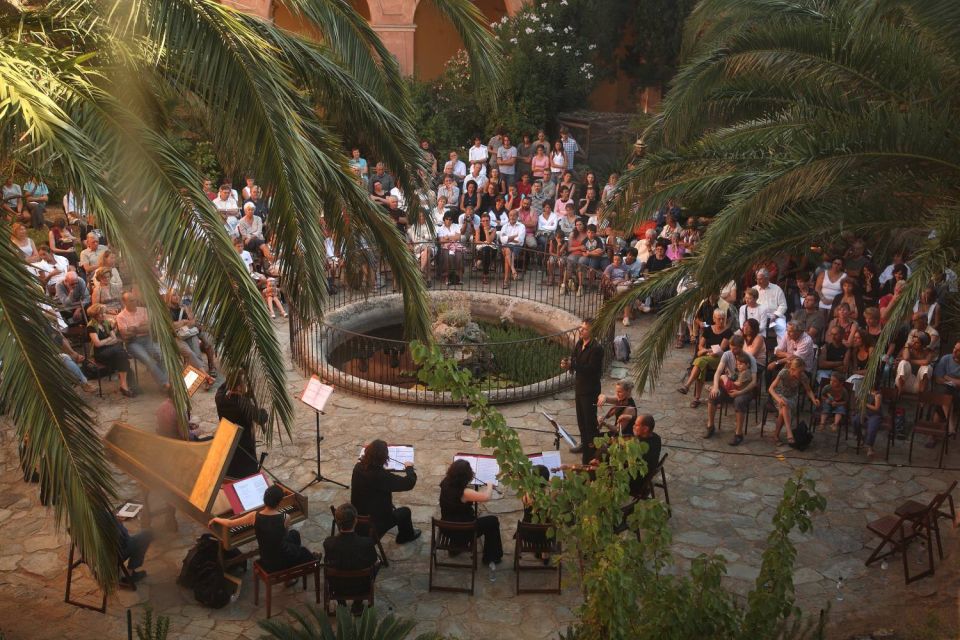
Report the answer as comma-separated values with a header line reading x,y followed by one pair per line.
x,y
455,538
933,405
652,484
363,527
533,539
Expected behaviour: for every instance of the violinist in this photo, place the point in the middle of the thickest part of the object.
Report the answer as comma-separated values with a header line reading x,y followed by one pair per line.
x,y
372,489
623,412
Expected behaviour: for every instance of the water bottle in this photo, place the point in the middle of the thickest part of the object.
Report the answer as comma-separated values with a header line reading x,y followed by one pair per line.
x,y
493,572
840,589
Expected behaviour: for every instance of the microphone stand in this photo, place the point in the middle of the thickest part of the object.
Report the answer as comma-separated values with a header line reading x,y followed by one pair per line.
x,y
318,474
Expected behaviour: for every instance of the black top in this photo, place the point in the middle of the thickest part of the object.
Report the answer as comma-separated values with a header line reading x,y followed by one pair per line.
x,y
652,458
470,201
271,538
627,429
371,492
486,235
587,364
452,508
241,411
712,338
102,329
835,353
655,264
349,552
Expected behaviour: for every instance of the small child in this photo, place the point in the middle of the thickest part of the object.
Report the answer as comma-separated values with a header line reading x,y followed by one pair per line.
x,y
834,402
739,379
272,296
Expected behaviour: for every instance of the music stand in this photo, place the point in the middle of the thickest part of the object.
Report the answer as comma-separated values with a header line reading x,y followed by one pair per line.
x,y
315,396
558,432
193,378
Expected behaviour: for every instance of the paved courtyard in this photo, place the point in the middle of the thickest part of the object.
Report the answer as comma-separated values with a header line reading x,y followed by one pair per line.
x,y
723,501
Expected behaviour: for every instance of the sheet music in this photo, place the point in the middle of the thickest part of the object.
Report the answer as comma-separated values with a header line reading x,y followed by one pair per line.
x,y
250,491
485,470
399,454
316,394
190,378
550,459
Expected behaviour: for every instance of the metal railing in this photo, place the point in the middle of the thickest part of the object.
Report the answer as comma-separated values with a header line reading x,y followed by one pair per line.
x,y
382,367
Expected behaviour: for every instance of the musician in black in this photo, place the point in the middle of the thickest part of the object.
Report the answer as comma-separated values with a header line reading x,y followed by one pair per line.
x,y
623,412
643,431
280,547
456,505
235,403
372,488
348,551
586,362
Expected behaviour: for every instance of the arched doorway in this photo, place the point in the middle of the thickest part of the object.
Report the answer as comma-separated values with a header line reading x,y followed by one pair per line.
x,y
436,41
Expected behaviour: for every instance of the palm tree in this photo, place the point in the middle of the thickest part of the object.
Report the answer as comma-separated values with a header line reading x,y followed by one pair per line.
x,y
82,84
798,121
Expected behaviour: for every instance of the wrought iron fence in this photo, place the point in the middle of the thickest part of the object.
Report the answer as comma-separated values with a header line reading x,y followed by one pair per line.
x,y
508,371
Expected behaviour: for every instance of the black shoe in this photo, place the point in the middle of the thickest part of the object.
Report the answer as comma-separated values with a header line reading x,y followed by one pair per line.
x,y
416,534
577,449
357,608
709,432
737,439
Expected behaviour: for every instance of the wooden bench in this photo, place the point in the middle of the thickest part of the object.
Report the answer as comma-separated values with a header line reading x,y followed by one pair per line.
x,y
282,577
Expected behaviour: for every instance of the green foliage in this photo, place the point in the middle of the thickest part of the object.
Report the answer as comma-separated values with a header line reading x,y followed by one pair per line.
x,y
653,51
152,629
621,575
523,363
314,624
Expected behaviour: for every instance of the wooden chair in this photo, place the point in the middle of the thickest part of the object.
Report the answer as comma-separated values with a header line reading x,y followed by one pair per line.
x,y
74,560
890,399
282,577
532,539
845,420
652,484
454,538
364,527
931,402
913,511
333,593
896,533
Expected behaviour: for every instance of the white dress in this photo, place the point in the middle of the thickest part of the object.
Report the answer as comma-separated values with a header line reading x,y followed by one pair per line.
x,y
830,289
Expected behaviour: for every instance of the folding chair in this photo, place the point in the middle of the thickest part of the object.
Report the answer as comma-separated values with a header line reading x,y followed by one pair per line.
x,y
532,539
913,512
652,483
364,527
897,533
454,538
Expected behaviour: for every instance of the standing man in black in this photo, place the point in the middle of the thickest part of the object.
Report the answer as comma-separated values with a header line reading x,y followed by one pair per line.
x,y
586,362
236,404
371,492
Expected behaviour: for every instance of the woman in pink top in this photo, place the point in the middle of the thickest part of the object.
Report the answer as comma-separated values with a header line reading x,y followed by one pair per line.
x,y
540,163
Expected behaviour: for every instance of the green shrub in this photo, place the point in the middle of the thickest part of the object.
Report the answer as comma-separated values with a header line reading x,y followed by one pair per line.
x,y
521,363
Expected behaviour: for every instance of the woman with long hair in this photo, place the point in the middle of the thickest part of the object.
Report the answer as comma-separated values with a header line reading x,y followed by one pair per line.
x,y
371,492
62,242
484,240
456,505
107,347
558,161
753,342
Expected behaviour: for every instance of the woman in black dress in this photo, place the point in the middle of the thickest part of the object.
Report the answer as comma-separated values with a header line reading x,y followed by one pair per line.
x,y
236,404
107,347
456,505
280,547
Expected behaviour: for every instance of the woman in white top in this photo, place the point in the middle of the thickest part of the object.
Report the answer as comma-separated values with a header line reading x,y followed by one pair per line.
x,y
558,161
423,245
927,304
24,242
828,283
751,309
479,153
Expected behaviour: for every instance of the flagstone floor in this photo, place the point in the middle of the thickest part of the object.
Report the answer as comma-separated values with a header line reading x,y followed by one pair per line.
x,y
723,501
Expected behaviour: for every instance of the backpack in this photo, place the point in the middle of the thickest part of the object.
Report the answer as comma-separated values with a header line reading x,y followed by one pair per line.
x,y
621,348
802,437
203,572
204,551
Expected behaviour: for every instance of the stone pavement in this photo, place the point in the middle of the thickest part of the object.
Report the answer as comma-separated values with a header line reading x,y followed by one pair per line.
x,y
723,501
